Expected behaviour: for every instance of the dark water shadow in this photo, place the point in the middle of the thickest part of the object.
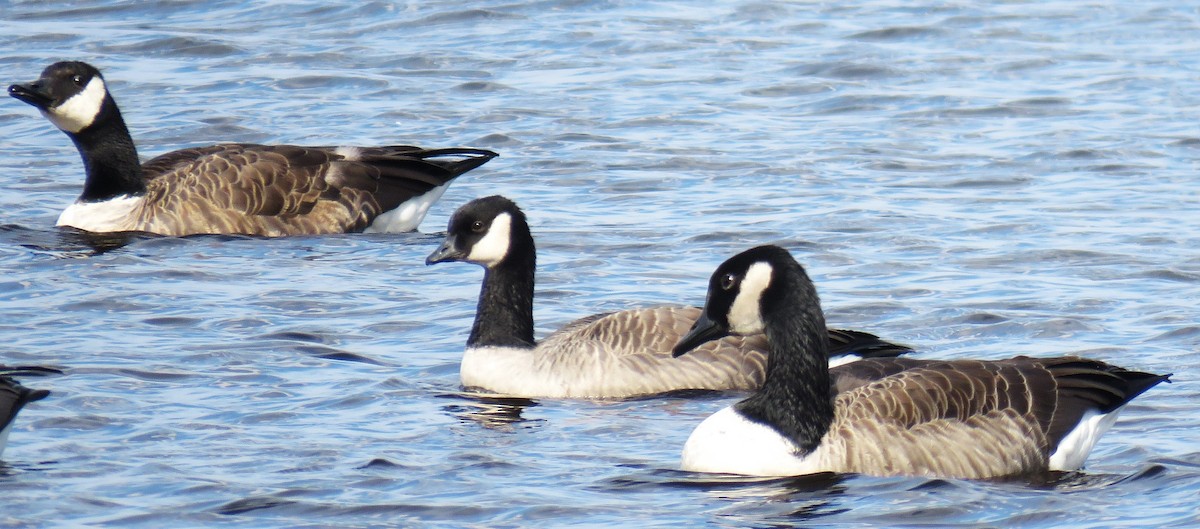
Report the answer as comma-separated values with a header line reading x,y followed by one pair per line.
x,y
66,242
28,371
786,499
490,411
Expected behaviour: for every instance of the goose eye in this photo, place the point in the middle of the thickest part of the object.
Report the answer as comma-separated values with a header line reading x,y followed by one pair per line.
x,y
78,80
477,226
728,281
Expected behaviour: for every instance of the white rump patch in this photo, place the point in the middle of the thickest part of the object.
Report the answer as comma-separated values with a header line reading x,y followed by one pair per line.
x,y
78,112
408,215
744,316
729,443
1075,447
111,215
493,247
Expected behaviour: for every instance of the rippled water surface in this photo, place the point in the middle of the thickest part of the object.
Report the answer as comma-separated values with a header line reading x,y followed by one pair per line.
x,y
974,180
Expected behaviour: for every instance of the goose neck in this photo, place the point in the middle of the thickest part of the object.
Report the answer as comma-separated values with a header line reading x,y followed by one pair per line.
x,y
111,159
504,316
796,398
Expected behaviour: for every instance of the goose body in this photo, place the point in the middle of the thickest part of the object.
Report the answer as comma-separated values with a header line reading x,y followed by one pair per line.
x,y
13,397
618,354
268,190
889,416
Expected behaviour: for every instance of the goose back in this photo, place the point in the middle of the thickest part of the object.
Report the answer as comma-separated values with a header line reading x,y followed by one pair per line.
x,y
275,190
974,419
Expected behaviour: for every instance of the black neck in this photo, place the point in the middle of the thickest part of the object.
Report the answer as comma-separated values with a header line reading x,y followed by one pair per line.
x,y
504,316
109,156
796,399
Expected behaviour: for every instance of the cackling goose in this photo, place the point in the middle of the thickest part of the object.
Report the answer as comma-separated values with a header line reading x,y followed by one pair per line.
x,y
269,190
618,354
959,418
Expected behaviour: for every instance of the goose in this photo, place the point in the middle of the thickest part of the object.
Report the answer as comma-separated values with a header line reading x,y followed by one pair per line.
x,y
612,355
234,188
968,419
13,397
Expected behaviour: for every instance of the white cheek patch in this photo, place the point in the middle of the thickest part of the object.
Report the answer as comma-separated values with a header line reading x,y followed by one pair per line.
x,y
744,315
493,247
78,112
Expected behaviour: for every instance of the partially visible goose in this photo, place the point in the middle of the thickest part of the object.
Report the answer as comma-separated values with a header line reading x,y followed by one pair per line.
x,y
269,190
13,397
964,418
618,354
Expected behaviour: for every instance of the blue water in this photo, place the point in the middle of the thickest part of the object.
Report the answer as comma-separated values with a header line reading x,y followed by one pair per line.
x,y
974,180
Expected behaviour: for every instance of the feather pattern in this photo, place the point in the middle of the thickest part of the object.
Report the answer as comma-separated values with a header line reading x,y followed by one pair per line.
x,y
285,190
892,416
618,354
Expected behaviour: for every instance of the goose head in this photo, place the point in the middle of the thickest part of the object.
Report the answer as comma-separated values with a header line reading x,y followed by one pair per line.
x,y
71,94
738,291
484,231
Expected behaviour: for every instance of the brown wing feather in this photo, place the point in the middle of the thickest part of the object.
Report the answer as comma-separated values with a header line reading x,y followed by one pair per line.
x,y
167,162
931,419
969,418
285,189
639,342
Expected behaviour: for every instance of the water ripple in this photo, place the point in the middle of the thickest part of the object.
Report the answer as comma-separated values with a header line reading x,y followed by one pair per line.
x,y
975,180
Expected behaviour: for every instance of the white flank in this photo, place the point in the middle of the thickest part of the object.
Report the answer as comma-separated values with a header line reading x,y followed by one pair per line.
x,y
78,112
492,248
1075,447
728,443
744,316
111,215
408,215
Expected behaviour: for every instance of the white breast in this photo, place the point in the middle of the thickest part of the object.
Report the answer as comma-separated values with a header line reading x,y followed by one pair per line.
x,y
728,443
583,373
111,215
511,371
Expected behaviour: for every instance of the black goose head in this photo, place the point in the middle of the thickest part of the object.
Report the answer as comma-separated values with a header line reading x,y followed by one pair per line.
x,y
71,94
736,294
484,231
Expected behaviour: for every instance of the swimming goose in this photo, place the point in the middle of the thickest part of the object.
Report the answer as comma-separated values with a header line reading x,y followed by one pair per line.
x,y
269,190
13,397
618,354
958,418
